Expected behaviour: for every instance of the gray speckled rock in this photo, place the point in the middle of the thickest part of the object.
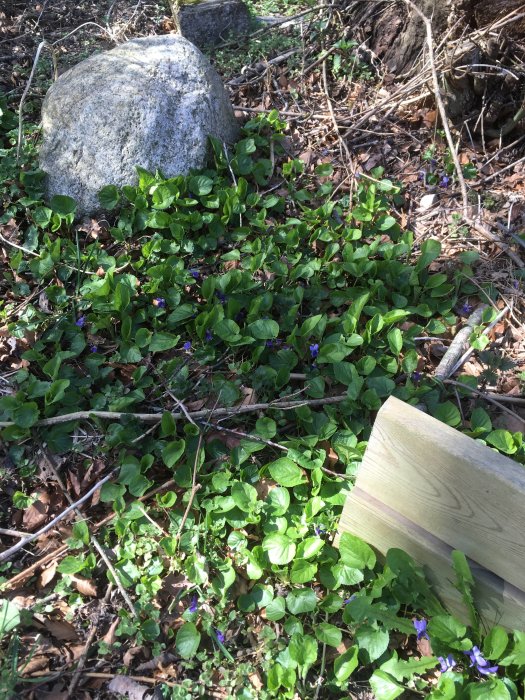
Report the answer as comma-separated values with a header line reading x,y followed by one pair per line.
x,y
151,102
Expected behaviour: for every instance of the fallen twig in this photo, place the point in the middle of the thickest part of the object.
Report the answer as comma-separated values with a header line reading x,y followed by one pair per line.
x,y
106,676
441,105
497,241
456,347
51,524
194,488
23,98
95,542
270,443
293,115
13,533
56,553
285,20
342,142
486,397
503,170
453,359
157,417
18,247
172,396
461,361
257,70
506,398
89,641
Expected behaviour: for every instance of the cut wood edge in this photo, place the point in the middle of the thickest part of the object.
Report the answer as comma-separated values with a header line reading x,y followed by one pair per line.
x,y
497,601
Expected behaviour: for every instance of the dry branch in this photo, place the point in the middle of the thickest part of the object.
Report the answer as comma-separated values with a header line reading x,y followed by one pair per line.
x,y
486,397
95,542
55,554
441,105
448,363
51,524
157,417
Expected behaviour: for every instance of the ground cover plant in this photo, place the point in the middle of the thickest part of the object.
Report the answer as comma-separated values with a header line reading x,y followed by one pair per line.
x,y
243,325
205,364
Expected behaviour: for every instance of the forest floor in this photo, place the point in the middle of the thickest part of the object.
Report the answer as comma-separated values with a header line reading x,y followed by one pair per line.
x,y
367,141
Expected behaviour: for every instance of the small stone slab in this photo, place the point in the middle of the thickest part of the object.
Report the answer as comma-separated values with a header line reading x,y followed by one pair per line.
x,y
210,22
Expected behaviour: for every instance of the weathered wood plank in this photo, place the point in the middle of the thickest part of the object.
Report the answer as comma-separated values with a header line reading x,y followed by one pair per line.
x,y
428,489
496,601
465,494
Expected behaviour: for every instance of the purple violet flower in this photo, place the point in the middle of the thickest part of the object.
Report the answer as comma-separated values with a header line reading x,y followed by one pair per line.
x,y
221,296
269,343
447,664
220,636
314,350
416,376
193,607
208,335
445,181
159,302
349,600
319,530
93,348
421,628
187,345
195,274
422,175
81,320
466,309
478,660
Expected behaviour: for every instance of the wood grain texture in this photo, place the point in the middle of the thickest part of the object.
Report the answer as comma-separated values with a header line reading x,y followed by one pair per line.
x,y
497,601
428,489
465,493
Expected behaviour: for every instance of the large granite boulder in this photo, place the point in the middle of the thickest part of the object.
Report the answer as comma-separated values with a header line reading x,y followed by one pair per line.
x,y
211,21
151,102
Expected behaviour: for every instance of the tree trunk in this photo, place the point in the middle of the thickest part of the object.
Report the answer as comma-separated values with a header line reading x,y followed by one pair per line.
x,y
397,35
479,50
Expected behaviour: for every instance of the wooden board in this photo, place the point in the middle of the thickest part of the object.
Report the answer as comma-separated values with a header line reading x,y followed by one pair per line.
x,y
428,489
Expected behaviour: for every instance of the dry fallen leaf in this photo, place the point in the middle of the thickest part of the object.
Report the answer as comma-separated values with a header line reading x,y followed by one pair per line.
x,y
158,662
331,455
60,629
122,685
43,303
109,637
36,515
424,647
511,423
195,405
230,441
429,118
85,586
39,662
249,396
255,680
263,487
47,575
130,655
74,482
